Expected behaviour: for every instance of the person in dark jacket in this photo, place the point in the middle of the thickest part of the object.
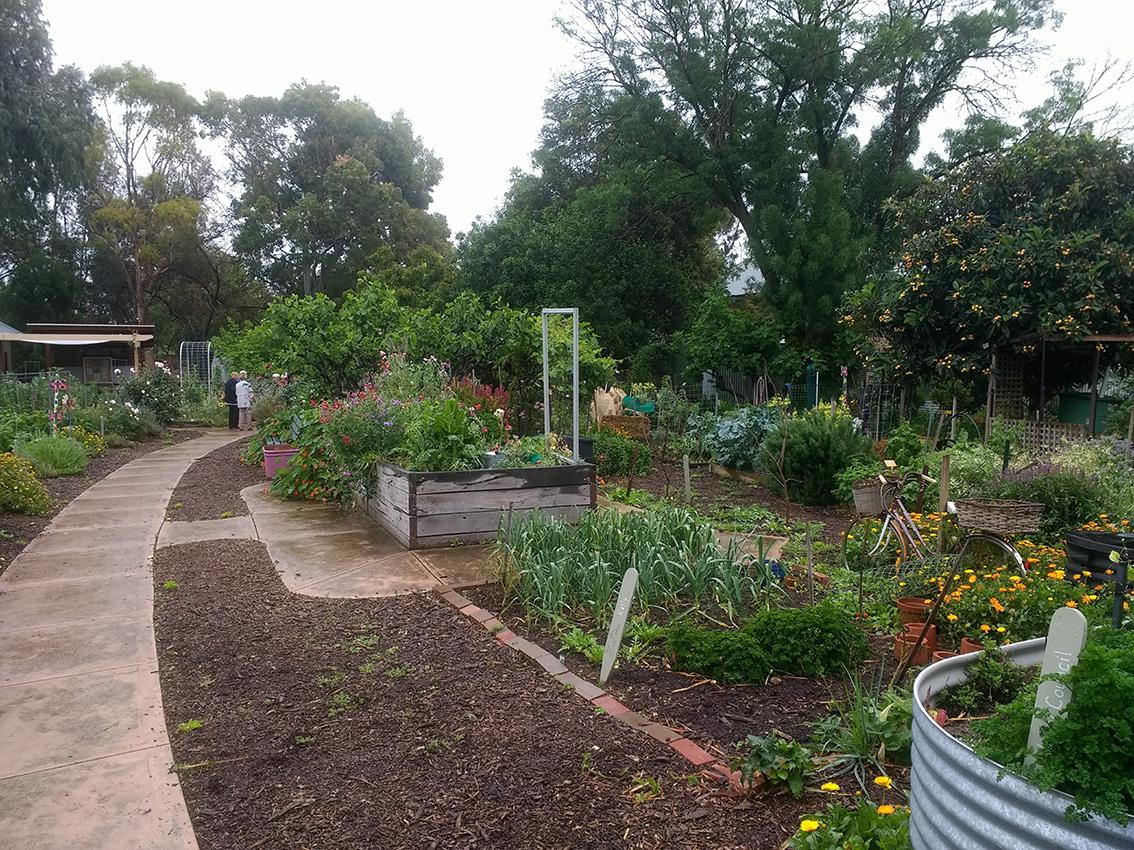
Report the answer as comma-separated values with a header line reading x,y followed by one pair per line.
x,y
230,399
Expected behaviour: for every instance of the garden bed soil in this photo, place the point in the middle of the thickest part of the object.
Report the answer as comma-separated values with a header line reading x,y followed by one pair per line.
x,y
212,485
710,490
18,530
448,739
716,716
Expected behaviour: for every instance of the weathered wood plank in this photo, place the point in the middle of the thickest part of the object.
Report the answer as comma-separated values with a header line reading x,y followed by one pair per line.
x,y
500,479
488,500
480,525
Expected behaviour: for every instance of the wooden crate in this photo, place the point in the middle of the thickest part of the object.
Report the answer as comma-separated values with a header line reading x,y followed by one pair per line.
x,y
424,509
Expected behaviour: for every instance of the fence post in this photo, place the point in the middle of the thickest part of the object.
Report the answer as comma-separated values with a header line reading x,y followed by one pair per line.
x,y
943,501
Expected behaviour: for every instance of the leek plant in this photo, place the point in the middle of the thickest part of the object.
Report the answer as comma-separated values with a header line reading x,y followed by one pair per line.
x,y
560,571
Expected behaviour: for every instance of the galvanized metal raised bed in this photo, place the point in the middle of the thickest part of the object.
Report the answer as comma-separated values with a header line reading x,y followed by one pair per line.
x,y
958,803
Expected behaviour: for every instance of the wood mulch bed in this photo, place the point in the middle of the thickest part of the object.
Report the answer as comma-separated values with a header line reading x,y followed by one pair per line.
x,y
212,485
445,739
20,529
716,716
711,490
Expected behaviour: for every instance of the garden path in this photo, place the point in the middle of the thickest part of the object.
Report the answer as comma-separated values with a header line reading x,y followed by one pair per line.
x,y
85,760
319,551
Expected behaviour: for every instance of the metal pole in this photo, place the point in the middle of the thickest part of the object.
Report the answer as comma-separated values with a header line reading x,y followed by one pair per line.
x,y
575,381
546,388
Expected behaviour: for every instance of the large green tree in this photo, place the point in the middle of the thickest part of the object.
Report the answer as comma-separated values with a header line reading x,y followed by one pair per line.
x,y
756,102
46,126
147,211
598,226
1034,241
324,184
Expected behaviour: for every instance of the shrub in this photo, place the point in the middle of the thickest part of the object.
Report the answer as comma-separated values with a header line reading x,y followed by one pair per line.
x,y
1069,499
93,443
442,436
905,446
1088,751
805,454
20,490
359,436
157,390
735,438
992,680
14,426
858,470
731,657
616,455
819,640
313,473
780,760
972,465
53,456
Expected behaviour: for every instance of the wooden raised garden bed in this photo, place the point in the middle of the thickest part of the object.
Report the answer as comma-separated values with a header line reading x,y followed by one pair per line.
x,y
423,509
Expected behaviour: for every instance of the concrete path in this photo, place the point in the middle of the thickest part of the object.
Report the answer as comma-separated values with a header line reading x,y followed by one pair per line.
x,y
85,762
320,551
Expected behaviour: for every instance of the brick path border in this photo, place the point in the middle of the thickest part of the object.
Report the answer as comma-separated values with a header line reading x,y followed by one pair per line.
x,y
711,767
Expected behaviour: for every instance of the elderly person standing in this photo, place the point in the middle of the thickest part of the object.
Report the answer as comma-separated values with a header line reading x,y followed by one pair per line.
x,y
230,399
244,401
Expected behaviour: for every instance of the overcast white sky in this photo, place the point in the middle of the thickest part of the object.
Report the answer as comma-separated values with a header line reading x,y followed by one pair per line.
x,y
471,75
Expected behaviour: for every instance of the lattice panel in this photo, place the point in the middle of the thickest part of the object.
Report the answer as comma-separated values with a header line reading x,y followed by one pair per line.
x,y
1009,402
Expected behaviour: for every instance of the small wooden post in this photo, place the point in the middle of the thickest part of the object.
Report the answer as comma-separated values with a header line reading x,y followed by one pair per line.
x,y
688,483
990,398
1130,432
810,567
943,502
1094,394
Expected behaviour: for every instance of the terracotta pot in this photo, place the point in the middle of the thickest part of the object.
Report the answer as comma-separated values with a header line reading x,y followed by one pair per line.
x,y
970,646
912,630
942,654
903,645
913,609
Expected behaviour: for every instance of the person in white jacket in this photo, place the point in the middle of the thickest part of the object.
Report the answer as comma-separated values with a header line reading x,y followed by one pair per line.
x,y
244,401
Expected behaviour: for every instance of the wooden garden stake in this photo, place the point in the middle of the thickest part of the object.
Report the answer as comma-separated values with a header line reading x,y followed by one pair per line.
x,y
618,623
685,471
943,502
810,567
1065,639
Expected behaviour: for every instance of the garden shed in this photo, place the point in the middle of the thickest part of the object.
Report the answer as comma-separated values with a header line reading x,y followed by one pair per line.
x,y
89,352
1026,377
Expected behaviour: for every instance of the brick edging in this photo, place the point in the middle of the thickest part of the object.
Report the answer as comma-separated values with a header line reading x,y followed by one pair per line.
x,y
712,767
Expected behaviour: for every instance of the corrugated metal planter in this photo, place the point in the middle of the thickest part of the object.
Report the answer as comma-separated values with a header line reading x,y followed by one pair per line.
x,y
957,802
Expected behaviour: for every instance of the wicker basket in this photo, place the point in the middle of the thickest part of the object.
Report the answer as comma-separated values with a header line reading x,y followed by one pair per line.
x,y
637,427
872,497
999,516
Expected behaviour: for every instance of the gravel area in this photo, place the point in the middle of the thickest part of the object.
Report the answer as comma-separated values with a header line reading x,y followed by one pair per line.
x,y
398,723
212,486
18,530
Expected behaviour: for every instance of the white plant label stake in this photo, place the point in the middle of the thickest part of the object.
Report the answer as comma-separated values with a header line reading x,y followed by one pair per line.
x,y
618,623
1065,639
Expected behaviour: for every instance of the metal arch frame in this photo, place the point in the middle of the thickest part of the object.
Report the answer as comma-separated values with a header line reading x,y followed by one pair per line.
x,y
181,362
573,312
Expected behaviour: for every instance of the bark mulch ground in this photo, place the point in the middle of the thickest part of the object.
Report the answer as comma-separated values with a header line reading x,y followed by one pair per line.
x,y
18,530
398,723
212,485
711,490
716,716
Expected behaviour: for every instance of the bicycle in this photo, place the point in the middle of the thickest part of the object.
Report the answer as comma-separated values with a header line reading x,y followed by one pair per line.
x,y
885,538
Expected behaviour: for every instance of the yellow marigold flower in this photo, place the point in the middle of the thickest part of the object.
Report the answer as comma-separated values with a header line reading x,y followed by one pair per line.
x,y
829,786
809,825
1071,603
886,810
1058,575
952,618
883,781
985,627
1001,629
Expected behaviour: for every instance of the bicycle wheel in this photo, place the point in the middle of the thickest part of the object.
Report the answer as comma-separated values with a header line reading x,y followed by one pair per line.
x,y
981,551
872,545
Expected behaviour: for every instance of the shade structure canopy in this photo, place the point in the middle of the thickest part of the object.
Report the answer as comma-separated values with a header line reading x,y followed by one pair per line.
x,y
73,339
